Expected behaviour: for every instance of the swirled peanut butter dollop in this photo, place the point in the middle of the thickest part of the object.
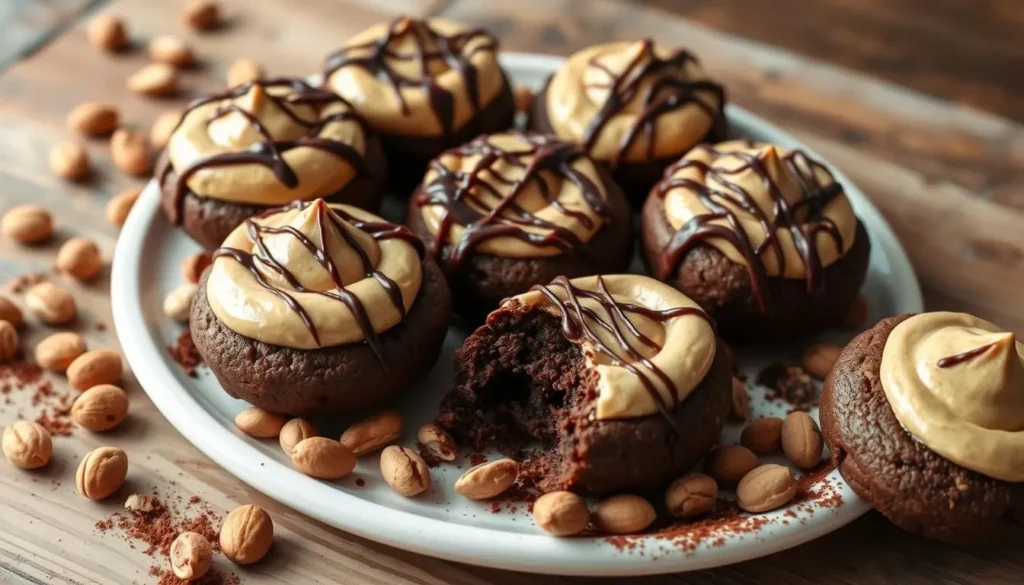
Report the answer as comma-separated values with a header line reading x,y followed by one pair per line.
x,y
417,77
783,208
956,383
268,143
633,101
515,195
314,275
669,341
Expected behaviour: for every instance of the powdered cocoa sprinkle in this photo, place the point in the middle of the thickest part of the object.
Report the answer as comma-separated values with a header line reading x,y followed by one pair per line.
x,y
21,282
185,353
476,459
55,415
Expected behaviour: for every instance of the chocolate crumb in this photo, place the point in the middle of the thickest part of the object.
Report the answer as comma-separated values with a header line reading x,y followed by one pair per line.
x,y
185,353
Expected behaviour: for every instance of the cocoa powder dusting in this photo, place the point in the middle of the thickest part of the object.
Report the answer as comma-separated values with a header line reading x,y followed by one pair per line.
x,y
185,353
20,283
52,404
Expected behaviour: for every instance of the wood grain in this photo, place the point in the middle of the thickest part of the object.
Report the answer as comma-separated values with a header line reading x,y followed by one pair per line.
x,y
948,178
26,24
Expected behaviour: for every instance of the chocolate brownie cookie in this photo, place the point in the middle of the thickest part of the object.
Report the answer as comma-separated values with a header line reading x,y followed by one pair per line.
x,y
525,377
424,86
508,211
261,145
916,488
320,347
731,226
635,106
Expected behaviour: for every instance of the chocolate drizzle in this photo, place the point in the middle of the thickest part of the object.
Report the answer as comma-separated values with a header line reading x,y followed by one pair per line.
x,y
268,152
816,196
429,45
377,230
580,323
454,191
954,360
665,94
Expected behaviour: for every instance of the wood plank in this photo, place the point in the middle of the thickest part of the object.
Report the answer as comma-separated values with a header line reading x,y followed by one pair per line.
x,y
934,156
26,24
968,52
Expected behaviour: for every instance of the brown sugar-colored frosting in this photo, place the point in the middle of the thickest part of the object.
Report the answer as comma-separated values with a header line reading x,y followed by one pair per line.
x,y
956,383
777,211
266,142
514,194
417,77
633,101
314,275
649,344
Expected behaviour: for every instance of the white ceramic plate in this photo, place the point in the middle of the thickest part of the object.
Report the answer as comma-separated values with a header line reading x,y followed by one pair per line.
x,y
441,523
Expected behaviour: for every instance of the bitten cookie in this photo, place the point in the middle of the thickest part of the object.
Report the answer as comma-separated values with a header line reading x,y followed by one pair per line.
x,y
924,417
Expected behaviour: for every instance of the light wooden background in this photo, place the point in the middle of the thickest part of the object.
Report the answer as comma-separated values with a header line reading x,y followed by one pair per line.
x,y
950,179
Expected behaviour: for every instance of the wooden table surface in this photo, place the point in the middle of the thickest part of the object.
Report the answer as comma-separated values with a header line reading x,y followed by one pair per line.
x,y
918,101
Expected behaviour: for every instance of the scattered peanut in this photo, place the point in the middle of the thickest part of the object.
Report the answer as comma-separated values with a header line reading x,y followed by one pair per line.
x,y
171,50
243,71
69,160
801,440
201,14
107,33
294,432
323,458
163,127
729,463
488,479
561,513
404,471
139,503
79,258
437,442
27,445
191,555
155,79
100,408
178,302
623,514
27,224
373,433
101,472
819,359
10,312
763,436
193,265
246,534
766,488
259,423
56,352
9,341
95,367
93,119
122,203
130,151
739,410
691,495
51,304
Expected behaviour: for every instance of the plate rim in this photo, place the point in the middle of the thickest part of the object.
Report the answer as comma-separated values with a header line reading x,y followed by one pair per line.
x,y
475,545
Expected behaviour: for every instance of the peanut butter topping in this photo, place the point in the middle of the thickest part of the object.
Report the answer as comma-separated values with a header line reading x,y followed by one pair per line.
x,y
649,343
513,194
315,275
956,383
633,101
266,143
417,77
779,212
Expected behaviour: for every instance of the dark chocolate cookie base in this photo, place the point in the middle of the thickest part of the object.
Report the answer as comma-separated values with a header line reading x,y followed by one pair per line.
x,y
408,156
479,285
916,488
724,288
518,380
208,221
331,380
635,178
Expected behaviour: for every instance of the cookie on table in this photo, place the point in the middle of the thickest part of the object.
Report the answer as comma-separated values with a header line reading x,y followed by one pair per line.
x,y
320,309
924,417
508,211
262,145
634,106
548,367
761,236
424,86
